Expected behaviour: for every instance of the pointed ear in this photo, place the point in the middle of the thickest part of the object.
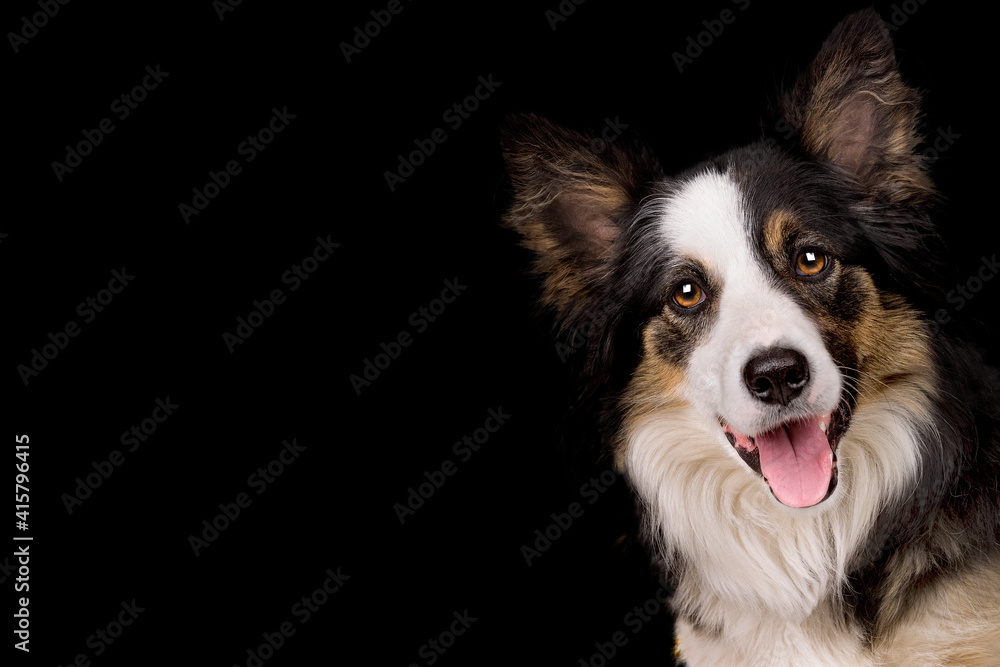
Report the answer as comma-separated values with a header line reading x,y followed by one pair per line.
x,y
572,195
851,108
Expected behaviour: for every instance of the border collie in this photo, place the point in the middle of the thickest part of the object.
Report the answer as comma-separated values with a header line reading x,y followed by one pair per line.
x,y
816,468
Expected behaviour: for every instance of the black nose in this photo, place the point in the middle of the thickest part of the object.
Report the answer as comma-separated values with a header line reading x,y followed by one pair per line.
x,y
776,375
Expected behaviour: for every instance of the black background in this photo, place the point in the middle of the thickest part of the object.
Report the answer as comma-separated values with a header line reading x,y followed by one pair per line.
x,y
324,176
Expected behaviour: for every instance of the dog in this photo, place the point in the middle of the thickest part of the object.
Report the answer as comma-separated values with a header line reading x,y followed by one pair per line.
x,y
816,468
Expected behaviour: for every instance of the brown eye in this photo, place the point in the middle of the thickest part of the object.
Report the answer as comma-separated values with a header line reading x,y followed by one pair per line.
x,y
810,262
688,294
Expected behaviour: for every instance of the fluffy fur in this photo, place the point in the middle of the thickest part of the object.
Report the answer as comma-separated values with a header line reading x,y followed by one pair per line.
x,y
899,564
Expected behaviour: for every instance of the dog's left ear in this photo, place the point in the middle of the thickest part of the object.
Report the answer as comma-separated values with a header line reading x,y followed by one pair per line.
x,y
571,192
851,108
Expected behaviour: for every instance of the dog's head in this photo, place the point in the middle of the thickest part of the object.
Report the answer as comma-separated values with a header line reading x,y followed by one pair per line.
x,y
757,300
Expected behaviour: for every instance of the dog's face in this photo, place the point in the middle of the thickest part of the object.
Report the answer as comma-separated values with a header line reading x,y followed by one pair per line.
x,y
747,329
756,299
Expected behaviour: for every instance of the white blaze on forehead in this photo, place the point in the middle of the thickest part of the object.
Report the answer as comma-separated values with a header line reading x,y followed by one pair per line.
x,y
706,221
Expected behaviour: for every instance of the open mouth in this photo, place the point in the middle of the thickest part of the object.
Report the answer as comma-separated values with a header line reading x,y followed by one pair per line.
x,y
797,459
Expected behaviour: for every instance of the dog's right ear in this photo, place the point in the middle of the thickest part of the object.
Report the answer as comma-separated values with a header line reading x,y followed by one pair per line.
x,y
852,109
572,196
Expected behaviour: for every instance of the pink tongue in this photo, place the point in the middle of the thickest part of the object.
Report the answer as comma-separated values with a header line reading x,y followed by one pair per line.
x,y
796,461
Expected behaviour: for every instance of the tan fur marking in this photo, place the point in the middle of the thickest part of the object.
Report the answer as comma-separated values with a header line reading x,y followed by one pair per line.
x,y
892,345
652,390
953,622
894,352
777,227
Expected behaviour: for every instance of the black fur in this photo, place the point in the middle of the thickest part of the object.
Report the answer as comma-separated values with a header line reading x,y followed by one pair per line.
x,y
871,212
